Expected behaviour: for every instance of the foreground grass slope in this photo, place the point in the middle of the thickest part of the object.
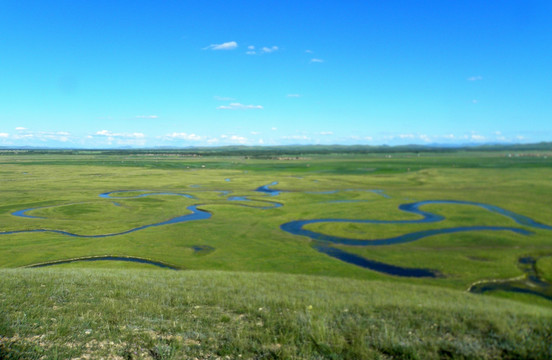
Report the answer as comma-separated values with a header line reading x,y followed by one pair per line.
x,y
161,314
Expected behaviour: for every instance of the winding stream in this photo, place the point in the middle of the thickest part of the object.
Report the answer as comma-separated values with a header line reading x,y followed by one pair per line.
x,y
529,283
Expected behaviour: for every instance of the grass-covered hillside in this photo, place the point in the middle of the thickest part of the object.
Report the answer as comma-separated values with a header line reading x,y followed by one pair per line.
x,y
163,314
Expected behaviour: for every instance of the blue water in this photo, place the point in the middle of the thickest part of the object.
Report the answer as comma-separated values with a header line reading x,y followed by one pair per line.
x,y
22,213
265,189
196,214
297,227
531,284
374,265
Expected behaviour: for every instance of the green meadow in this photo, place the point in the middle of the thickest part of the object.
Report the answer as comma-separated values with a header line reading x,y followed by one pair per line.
x,y
245,288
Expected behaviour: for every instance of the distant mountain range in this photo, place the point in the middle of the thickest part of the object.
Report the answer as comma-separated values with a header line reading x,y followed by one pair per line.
x,y
304,149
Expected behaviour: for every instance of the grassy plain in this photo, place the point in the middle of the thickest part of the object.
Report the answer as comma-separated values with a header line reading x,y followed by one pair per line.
x,y
253,261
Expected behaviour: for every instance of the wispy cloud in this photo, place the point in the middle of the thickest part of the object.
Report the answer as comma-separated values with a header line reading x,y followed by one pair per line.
x,y
293,95
147,116
4,135
316,60
20,128
269,49
238,139
407,136
326,133
264,50
23,134
274,129
238,106
233,139
184,136
230,45
111,134
425,138
475,78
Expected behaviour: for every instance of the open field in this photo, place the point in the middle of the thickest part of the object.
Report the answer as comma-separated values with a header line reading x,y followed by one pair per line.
x,y
96,205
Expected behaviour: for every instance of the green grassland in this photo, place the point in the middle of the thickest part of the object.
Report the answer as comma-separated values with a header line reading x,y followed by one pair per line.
x,y
211,309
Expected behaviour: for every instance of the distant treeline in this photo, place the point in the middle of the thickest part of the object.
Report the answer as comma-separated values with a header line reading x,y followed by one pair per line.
x,y
275,151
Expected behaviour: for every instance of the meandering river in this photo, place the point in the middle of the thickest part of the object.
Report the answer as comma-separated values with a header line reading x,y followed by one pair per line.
x,y
321,242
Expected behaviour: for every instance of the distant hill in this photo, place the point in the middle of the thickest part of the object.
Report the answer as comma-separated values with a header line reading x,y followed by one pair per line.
x,y
243,150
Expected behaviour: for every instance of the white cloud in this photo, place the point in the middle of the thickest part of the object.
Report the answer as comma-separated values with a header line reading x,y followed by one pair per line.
x,y
147,116
317,61
261,141
369,138
20,128
264,50
475,101
326,133
255,133
449,136
274,129
4,135
407,136
425,138
498,132
520,137
293,95
43,136
475,78
184,136
233,139
476,137
230,45
308,51
112,135
238,139
212,141
269,49
238,106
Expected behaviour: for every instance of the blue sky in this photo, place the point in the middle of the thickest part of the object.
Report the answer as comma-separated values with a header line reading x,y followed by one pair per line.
x,y
100,74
